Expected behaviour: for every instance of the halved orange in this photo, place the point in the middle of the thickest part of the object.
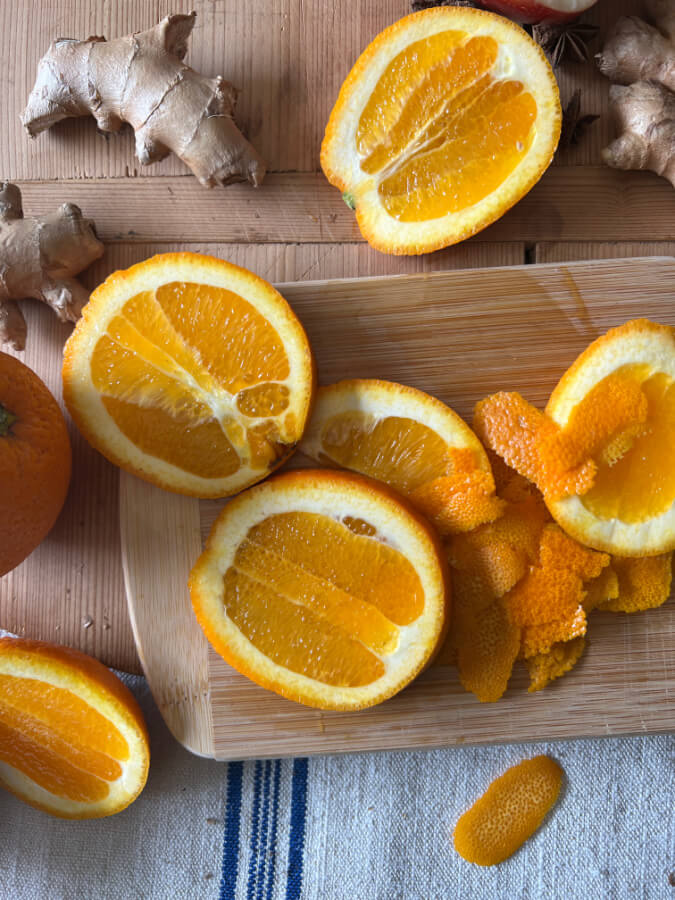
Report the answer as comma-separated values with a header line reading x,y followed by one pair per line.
x,y
412,442
445,121
324,587
72,737
190,372
617,405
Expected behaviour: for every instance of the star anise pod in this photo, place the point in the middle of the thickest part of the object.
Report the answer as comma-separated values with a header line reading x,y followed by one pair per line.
x,y
573,123
565,42
417,5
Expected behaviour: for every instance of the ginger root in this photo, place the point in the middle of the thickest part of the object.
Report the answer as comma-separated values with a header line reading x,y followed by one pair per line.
x,y
39,258
141,80
640,59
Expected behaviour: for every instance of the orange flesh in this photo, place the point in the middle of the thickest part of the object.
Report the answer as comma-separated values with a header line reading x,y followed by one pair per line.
x,y
58,740
175,366
439,131
399,451
641,484
509,812
327,615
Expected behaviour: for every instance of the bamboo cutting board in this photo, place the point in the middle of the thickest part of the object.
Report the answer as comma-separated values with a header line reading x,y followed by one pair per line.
x,y
458,335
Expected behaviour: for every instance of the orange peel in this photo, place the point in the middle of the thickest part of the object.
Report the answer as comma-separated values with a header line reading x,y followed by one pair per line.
x,y
544,668
487,651
644,583
540,638
531,444
599,590
509,812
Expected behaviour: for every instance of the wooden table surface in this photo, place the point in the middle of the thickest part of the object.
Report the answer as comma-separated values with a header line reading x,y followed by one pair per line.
x,y
288,58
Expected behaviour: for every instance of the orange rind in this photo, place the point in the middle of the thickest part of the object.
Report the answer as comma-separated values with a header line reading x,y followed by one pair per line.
x,y
509,812
543,668
643,584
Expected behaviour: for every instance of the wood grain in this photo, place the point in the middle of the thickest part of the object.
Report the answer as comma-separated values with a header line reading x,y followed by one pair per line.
x,y
577,250
569,204
460,336
172,647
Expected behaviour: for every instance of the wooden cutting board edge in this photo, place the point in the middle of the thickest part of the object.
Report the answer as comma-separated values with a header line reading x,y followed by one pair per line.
x,y
182,661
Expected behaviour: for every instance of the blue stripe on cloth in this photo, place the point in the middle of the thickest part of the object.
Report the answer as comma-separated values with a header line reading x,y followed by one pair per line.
x,y
264,824
273,837
228,878
296,845
255,830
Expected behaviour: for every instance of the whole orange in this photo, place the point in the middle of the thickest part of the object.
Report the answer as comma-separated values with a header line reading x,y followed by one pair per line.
x,y
35,461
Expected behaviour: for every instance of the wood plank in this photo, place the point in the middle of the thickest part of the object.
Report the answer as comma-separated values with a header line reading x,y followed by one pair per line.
x,y
575,250
460,336
70,590
568,204
287,57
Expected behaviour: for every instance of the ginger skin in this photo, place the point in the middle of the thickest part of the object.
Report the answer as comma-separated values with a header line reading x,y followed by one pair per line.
x,y
640,59
39,258
141,80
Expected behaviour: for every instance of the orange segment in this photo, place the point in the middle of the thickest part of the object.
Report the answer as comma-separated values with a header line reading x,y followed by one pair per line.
x,y
410,441
417,85
295,637
398,450
357,565
72,738
509,812
445,180
191,373
445,121
322,587
354,614
248,349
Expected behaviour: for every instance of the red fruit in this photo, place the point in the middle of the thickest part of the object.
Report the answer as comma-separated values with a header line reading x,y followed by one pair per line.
x,y
552,12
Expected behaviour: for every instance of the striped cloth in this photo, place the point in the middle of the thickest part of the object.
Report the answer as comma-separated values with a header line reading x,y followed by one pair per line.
x,y
370,827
